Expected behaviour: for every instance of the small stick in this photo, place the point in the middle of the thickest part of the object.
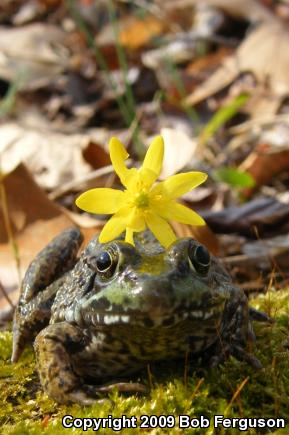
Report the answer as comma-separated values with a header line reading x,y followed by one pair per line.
x,y
3,291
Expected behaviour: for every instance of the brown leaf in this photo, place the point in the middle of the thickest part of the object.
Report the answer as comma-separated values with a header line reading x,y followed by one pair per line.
x,y
54,158
203,234
95,155
30,51
35,220
262,216
250,10
137,32
265,162
265,53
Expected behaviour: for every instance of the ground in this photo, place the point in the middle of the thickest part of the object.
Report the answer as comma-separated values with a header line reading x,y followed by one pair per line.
x,y
234,389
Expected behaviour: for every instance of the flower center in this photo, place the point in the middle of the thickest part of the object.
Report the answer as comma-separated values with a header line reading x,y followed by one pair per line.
x,y
141,200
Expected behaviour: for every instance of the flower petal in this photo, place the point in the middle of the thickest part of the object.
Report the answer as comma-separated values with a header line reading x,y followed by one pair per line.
x,y
118,155
101,200
161,229
180,213
135,220
114,226
178,184
144,180
154,157
129,236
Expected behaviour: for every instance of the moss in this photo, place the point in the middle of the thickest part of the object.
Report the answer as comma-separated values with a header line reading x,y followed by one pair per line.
x,y
233,389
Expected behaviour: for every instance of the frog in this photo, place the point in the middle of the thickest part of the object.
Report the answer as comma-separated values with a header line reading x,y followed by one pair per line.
x,y
115,308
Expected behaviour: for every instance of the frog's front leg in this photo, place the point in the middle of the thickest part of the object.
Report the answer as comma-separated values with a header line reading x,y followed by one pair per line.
x,y
56,348
42,280
237,330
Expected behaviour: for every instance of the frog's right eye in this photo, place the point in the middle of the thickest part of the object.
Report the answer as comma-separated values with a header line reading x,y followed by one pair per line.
x,y
199,258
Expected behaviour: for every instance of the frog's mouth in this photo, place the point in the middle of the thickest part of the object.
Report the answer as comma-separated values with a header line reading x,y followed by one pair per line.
x,y
148,320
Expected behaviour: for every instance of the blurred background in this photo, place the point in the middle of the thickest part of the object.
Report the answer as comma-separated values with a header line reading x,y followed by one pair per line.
x,y
211,76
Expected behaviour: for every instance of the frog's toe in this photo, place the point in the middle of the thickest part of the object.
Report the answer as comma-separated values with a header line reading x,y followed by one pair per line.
x,y
215,360
87,395
259,316
124,387
90,394
240,353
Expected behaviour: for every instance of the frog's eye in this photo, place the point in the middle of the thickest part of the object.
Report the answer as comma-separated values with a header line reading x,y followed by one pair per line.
x,y
105,263
199,258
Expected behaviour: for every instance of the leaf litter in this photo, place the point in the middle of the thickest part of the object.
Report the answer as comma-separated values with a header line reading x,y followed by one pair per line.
x,y
211,76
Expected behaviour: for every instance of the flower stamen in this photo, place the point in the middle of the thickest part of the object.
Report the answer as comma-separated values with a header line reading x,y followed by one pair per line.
x,y
142,200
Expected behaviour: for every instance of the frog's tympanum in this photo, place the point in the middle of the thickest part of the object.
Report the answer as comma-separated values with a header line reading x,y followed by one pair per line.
x,y
117,308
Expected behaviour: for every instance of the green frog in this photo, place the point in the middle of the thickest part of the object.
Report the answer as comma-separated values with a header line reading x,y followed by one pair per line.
x,y
118,307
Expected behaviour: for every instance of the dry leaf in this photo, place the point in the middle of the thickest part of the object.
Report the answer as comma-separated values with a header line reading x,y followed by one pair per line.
x,y
53,158
136,32
179,151
184,46
250,10
265,162
95,155
35,53
203,234
35,220
265,53
261,216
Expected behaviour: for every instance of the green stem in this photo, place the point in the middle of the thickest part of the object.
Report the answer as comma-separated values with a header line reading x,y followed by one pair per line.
x,y
122,61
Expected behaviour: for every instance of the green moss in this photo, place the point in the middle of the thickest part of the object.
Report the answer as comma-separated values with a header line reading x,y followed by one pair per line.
x,y
233,389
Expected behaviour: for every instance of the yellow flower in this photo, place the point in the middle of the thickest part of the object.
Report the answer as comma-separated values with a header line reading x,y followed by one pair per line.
x,y
143,203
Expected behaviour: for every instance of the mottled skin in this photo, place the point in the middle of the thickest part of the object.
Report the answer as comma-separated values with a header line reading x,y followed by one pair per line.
x,y
145,304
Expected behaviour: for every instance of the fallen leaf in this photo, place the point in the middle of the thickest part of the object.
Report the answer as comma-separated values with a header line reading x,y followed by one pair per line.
x,y
53,158
136,32
262,216
202,67
95,155
35,220
250,10
265,162
265,53
35,51
174,160
259,262
203,234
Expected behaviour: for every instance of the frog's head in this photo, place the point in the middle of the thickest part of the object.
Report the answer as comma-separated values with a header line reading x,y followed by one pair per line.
x,y
136,287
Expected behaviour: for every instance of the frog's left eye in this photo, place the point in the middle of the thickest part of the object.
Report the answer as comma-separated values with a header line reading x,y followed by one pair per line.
x,y
105,263
200,258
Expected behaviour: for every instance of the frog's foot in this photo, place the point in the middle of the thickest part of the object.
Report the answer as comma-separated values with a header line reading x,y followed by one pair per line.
x,y
90,394
259,316
54,347
237,331
222,353
241,354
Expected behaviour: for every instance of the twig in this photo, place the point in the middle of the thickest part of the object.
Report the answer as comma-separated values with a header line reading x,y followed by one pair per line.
x,y
74,184
3,291
236,394
71,185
